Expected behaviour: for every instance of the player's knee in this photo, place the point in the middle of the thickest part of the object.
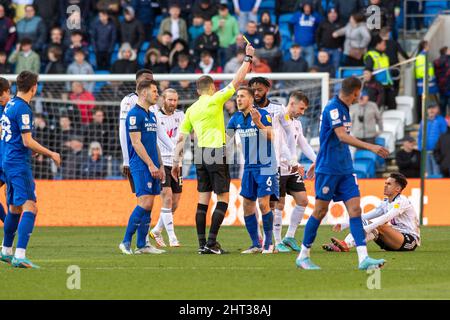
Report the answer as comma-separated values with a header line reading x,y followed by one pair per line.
x,y
146,203
223,197
354,211
264,207
30,206
15,209
303,202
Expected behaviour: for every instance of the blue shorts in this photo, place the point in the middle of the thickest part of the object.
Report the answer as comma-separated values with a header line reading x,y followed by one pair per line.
x,y
20,187
145,184
336,187
255,185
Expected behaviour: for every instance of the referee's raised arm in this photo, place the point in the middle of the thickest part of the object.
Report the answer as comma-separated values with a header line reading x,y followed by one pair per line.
x,y
245,68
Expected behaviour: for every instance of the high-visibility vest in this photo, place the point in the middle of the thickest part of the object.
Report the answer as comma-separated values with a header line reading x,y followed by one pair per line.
x,y
380,61
420,67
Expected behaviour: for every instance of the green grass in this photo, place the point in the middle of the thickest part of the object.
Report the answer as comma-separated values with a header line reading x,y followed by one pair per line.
x,y
182,274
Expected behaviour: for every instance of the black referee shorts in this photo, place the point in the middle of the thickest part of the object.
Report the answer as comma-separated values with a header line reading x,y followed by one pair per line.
x,y
213,177
176,186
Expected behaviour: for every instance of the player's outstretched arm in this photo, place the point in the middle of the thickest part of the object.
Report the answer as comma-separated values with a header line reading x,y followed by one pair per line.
x,y
178,155
35,146
350,140
244,69
142,153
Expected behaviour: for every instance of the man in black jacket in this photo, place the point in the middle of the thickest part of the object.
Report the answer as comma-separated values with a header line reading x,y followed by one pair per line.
x,y
346,8
132,30
408,159
442,151
325,39
296,63
207,41
49,11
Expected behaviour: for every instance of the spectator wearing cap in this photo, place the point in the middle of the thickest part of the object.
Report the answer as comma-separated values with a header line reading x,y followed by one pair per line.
x,y
373,88
25,58
81,97
209,40
132,30
76,43
32,27
365,116
126,62
8,32
436,127
103,37
73,158
81,66
95,166
357,39
325,39
253,36
324,64
376,61
205,8
145,14
174,24
227,28
271,53
246,10
49,11
305,25
442,68
408,158
296,63
266,26
5,66
235,63
442,151
196,29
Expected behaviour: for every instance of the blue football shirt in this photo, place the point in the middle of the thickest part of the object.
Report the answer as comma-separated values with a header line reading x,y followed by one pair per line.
x,y
2,108
334,156
258,150
17,119
139,120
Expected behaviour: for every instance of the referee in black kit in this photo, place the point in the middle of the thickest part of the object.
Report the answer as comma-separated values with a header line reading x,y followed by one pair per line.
x,y
205,118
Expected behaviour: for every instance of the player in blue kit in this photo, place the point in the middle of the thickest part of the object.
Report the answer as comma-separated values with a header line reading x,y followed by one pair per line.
x,y
4,98
18,144
146,166
259,180
335,179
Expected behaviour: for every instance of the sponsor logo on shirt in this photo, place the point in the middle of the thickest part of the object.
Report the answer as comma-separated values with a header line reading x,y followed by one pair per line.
x,y
132,121
334,114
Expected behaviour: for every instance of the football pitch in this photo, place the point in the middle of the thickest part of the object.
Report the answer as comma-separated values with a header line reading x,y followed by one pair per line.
x,y
183,274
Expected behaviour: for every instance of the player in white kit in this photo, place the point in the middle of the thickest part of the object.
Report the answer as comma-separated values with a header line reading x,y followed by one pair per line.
x,y
393,225
126,104
292,182
285,150
170,119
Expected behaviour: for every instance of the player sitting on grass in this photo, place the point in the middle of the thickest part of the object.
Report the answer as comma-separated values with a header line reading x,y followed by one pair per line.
x,y
259,180
146,166
393,225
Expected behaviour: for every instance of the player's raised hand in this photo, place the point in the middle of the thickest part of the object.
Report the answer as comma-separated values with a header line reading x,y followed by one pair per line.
x,y
310,172
154,171
175,172
249,50
256,116
56,157
381,151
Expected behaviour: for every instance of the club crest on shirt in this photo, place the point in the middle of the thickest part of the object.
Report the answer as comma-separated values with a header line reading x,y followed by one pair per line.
x,y
269,118
325,190
132,121
334,114
252,123
26,119
149,185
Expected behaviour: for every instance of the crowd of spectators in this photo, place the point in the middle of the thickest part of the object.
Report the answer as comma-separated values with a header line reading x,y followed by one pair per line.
x,y
191,36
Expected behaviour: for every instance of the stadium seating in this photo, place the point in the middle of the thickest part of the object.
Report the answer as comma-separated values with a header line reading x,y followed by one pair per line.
x,y
267,5
100,84
433,8
380,163
368,159
348,72
406,104
361,169
389,139
394,121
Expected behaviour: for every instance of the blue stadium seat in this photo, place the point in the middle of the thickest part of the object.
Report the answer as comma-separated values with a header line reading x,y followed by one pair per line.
x,y
435,176
114,57
360,170
349,72
267,5
366,155
435,10
366,166
92,59
381,163
100,84
145,46
285,18
284,30
437,4
141,58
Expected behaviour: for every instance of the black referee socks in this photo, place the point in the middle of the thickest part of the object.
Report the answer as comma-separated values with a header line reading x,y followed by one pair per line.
x,y
200,222
216,222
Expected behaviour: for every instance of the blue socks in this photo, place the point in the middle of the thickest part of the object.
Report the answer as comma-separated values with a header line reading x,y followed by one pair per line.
x,y
133,223
25,229
2,213
310,231
10,228
268,229
251,223
142,230
357,231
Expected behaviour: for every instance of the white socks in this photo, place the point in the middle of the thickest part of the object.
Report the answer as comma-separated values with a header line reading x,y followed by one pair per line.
x,y
362,253
167,218
304,253
160,224
296,218
7,251
20,253
277,225
369,237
